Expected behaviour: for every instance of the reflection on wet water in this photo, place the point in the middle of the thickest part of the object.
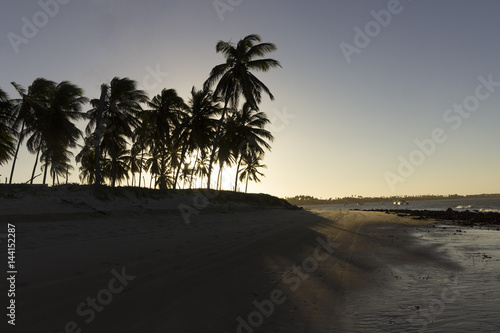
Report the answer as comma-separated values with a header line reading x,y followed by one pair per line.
x,y
458,293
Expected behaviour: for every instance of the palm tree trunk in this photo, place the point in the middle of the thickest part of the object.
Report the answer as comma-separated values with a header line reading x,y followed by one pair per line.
x,y
237,171
15,155
140,167
194,168
113,164
163,183
45,171
130,180
218,178
34,168
183,153
216,142
104,91
246,186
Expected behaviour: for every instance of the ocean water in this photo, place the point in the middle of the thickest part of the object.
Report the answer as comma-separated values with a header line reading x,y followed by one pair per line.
x,y
489,204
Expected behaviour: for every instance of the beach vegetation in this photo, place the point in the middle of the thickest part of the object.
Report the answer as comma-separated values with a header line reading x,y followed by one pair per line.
x,y
127,134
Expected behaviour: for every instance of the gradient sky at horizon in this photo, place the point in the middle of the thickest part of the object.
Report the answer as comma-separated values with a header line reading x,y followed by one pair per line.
x,y
349,122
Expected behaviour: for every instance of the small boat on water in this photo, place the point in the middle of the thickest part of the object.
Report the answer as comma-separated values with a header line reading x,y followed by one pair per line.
x,y
400,202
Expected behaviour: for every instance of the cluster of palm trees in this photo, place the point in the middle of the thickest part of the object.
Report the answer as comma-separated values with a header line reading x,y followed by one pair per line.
x,y
128,135
44,116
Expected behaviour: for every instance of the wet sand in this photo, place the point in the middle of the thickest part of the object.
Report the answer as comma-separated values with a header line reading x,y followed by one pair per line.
x,y
253,271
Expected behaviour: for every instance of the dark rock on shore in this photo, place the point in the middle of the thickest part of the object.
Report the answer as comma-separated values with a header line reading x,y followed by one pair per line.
x,y
457,217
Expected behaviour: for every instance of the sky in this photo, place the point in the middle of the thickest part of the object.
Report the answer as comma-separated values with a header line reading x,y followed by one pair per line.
x,y
374,98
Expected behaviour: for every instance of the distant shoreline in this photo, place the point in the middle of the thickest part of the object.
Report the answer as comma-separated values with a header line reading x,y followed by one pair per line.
x,y
310,200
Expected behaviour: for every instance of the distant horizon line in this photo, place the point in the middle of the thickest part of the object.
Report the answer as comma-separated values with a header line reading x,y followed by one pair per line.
x,y
309,197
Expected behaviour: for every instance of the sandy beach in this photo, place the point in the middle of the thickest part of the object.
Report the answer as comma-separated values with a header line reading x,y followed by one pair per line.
x,y
137,265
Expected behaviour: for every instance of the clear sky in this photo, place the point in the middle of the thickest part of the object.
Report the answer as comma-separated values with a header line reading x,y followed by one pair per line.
x,y
361,81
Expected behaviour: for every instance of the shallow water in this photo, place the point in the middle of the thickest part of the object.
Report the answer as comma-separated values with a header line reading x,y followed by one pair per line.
x,y
460,292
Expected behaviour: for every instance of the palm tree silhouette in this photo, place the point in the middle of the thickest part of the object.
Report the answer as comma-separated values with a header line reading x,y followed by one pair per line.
x,y
172,141
202,168
166,111
59,162
117,169
251,163
143,140
234,77
135,162
250,136
197,127
119,118
54,129
225,156
7,134
46,113
32,99
185,174
86,158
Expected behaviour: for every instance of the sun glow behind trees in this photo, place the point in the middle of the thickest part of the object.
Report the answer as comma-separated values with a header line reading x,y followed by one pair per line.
x,y
163,137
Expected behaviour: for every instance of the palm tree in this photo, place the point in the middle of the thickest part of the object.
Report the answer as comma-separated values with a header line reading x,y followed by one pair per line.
x,y
59,161
251,163
249,134
185,174
197,127
54,129
199,163
86,158
224,156
234,77
143,140
7,134
117,169
202,168
166,111
32,100
135,161
119,118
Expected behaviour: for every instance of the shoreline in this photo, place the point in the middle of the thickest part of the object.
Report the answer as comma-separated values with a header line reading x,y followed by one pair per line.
x,y
313,201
